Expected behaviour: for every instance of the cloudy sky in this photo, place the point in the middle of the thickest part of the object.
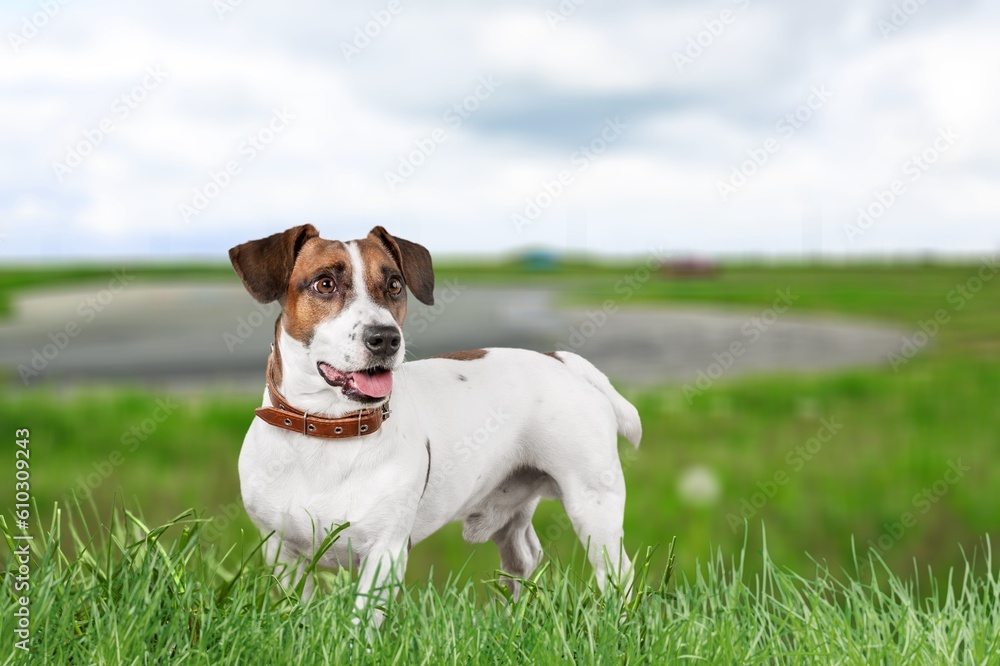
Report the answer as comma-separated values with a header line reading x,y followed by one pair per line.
x,y
179,129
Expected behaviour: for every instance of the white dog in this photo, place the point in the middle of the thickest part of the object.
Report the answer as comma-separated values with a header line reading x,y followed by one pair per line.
x,y
324,450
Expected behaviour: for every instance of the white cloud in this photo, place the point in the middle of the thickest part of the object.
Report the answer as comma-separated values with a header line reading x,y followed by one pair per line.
x,y
657,185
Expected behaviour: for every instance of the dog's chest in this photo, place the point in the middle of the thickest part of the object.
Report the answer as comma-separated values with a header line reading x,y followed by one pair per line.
x,y
303,491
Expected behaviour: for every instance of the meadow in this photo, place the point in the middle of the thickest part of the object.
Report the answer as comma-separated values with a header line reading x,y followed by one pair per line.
x,y
874,488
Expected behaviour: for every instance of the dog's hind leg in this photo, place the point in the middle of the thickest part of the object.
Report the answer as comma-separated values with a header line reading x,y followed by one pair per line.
x,y
596,507
520,550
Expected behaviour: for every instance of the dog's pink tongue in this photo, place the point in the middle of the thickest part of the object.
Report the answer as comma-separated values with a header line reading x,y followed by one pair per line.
x,y
375,385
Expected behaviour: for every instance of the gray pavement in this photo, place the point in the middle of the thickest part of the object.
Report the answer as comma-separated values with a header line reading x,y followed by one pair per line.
x,y
196,334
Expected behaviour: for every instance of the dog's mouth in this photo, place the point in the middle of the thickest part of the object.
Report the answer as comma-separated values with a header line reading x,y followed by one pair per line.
x,y
367,385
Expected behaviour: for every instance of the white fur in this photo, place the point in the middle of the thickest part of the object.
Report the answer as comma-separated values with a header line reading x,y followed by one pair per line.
x,y
520,426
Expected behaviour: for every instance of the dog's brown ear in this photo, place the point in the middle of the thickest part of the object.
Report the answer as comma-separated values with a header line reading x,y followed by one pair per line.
x,y
413,259
265,265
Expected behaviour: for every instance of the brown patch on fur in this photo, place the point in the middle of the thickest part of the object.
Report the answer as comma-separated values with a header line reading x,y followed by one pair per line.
x,y
275,364
304,308
553,355
413,260
265,265
380,266
466,355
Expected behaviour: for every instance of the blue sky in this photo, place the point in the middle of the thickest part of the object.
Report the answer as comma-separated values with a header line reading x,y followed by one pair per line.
x,y
179,129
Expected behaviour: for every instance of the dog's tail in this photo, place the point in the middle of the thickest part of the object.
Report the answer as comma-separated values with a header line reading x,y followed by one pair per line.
x,y
629,425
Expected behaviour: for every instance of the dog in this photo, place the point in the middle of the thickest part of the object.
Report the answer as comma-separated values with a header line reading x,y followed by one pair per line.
x,y
349,433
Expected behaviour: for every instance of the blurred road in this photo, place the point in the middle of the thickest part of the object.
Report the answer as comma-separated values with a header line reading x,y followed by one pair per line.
x,y
203,334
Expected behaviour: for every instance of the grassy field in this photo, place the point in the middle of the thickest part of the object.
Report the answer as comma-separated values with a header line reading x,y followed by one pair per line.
x,y
905,477
126,593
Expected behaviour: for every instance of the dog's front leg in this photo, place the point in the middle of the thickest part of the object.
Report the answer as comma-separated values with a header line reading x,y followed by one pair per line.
x,y
380,577
288,566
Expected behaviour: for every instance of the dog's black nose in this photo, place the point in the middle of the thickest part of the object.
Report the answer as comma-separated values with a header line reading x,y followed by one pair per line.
x,y
382,340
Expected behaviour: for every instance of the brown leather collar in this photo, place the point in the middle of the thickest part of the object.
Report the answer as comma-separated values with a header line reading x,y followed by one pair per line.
x,y
283,415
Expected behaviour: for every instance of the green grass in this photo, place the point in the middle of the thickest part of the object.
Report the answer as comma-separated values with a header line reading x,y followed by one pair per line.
x,y
125,593
899,432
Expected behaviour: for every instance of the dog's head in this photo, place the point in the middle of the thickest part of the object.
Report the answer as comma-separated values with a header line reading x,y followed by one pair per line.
x,y
344,301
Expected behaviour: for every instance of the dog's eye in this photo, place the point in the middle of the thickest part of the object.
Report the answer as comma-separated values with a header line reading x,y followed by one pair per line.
x,y
324,285
394,286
